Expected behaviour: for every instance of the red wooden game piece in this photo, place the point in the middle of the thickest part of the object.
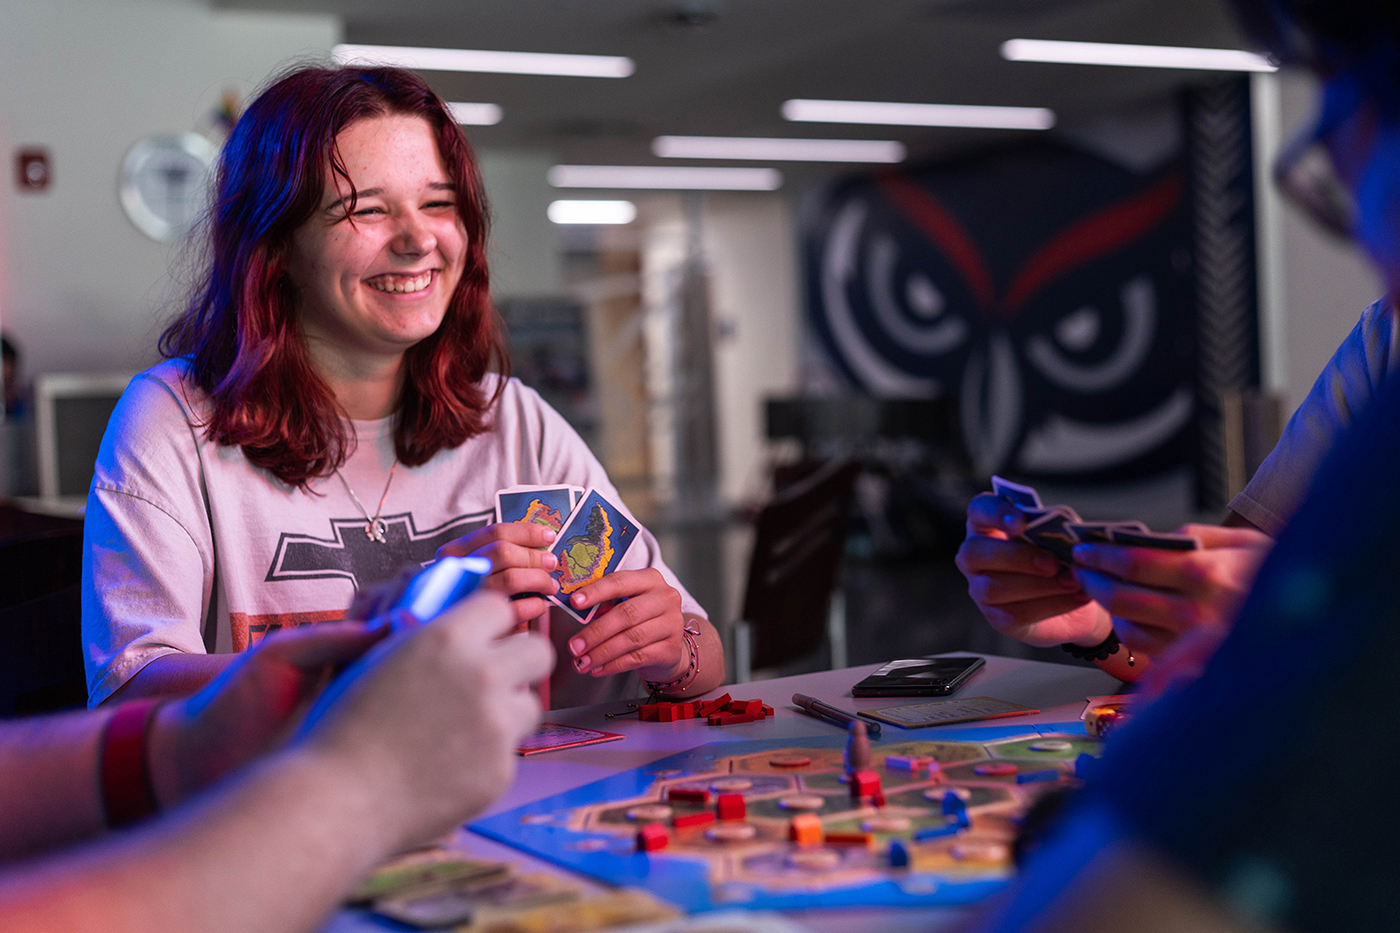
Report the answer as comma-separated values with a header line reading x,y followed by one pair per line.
x,y
695,794
668,713
866,840
649,712
746,706
714,706
865,783
768,711
730,719
996,769
651,837
703,818
805,829
731,807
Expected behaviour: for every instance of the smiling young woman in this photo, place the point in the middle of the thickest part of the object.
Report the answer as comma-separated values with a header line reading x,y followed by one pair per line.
x,y
341,345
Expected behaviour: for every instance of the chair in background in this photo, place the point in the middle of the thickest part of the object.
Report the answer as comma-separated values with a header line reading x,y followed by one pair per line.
x,y
41,641
799,540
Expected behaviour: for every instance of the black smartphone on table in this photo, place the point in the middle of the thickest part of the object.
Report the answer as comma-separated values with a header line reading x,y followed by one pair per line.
x,y
919,677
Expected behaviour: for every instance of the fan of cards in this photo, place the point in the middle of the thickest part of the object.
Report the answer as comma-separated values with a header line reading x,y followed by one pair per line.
x,y
1059,528
591,534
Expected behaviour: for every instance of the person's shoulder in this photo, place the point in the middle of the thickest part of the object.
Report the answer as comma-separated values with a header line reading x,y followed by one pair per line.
x,y
165,392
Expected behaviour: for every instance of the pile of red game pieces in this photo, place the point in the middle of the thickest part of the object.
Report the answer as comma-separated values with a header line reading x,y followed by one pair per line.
x,y
721,711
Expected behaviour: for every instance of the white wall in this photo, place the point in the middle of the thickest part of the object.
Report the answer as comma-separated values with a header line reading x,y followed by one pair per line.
x,y
80,287
524,254
1326,283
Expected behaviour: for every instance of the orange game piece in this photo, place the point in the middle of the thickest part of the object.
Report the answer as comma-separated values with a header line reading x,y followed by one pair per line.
x,y
731,806
805,829
651,837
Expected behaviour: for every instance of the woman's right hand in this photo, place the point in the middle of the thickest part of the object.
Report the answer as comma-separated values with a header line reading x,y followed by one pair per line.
x,y
518,565
1022,590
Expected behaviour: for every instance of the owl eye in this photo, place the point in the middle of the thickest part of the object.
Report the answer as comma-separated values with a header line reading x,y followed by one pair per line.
x,y
1139,300
924,297
1078,331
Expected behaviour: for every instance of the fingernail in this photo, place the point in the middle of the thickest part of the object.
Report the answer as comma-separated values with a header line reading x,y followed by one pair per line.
x,y
549,561
578,600
548,534
577,646
581,664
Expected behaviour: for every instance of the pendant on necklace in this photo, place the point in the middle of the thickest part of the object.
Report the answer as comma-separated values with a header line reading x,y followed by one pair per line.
x,y
376,529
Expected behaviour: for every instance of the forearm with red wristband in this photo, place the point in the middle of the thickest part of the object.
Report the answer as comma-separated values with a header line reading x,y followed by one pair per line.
x,y
124,768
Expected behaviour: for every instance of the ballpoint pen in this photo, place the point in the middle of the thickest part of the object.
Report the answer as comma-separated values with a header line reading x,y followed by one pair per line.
x,y
837,717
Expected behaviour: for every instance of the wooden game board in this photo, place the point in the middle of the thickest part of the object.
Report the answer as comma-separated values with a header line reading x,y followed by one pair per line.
x,y
592,829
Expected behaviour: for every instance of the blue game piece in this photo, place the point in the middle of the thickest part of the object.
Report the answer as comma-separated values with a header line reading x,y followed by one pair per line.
x,y
899,854
951,828
1032,777
953,805
1083,765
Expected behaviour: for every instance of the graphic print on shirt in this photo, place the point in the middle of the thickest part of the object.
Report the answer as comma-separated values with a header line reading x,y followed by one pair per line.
x,y
349,553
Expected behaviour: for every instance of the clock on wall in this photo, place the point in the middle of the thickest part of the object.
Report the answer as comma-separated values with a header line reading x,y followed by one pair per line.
x,y
164,183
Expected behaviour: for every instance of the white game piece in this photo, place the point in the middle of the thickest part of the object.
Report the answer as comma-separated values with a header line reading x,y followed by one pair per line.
x,y
731,832
802,802
650,813
814,859
885,824
731,785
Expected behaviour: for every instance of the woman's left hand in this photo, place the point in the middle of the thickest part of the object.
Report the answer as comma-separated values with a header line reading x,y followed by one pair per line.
x,y
642,633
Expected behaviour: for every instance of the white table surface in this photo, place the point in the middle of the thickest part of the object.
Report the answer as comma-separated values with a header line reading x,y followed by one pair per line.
x,y
1057,690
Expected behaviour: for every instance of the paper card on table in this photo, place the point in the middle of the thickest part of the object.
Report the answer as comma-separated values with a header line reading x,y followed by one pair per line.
x,y
549,736
549,506
591,546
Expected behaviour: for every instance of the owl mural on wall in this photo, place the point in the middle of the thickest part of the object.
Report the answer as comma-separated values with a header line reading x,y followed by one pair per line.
x,y
1047,289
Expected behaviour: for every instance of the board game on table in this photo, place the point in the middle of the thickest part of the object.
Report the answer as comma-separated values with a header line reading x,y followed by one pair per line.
x,y
994,773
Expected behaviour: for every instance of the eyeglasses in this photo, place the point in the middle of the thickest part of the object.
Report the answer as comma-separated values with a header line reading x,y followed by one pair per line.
x,y
1304,171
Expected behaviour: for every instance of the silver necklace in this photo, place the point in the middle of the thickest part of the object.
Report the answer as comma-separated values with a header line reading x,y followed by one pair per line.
x,y
376,529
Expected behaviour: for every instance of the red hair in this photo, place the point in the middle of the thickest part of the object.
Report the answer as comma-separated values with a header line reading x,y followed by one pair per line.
x,y
240,331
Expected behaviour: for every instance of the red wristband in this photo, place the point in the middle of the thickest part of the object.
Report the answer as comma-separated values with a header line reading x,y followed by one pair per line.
x,y
127,795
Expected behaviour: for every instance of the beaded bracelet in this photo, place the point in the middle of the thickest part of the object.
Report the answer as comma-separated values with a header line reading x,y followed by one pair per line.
x,y
691,633
1100,652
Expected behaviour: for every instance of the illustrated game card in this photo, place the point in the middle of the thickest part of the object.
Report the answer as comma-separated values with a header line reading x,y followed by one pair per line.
x,y
549,736
1152,540
1021,496
590,546
1051,532
549,506
1101,532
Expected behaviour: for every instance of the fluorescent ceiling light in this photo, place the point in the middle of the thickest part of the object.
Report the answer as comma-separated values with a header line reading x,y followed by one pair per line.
x,y
665,176
592,212
475,114
784,150
864,111
1133,56
518,63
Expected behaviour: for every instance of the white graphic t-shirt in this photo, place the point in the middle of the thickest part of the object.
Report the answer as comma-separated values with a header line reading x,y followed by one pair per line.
x,y
191,548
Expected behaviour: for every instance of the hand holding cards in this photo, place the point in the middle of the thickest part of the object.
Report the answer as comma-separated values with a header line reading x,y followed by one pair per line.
x,y
590,538
1059,528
